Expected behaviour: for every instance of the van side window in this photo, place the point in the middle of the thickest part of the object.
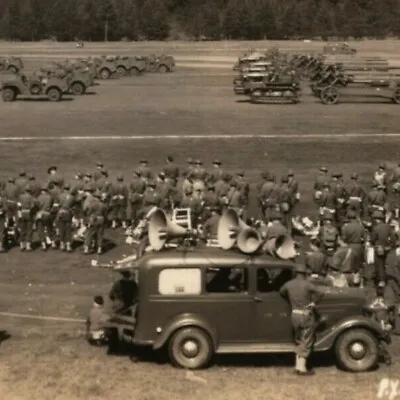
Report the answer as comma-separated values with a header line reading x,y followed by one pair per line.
x,y
226,280
179,281
272,279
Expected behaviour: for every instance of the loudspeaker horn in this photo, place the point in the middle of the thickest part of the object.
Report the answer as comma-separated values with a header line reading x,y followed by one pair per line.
x,y
282,246
233,230
161,228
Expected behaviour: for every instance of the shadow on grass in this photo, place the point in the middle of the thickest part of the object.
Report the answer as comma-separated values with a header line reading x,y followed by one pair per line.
x,y
43,99
4,335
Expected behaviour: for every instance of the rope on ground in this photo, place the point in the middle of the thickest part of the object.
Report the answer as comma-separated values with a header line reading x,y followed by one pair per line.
x,y
42,317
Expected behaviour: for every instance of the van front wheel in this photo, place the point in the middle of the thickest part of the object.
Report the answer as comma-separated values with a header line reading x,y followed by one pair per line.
x,y
190,348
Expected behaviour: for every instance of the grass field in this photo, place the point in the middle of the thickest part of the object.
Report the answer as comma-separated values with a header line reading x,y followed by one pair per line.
x,y
178,114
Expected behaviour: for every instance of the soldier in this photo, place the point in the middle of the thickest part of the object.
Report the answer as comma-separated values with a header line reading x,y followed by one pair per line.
x,y
163,188
286,202
383,240
335,277
356,195
235,199
354,236
210,201
243,187
328,235
343,260
137,188
44,223
210,227
64,218
77,190
26,205
319,183
98,171
261,181
294,187
376,199
150,198
88,181
97,218
275,228
144,169
393,281
199,173
87,202
216,172
302,295
34,185
54,176
21,182
340,194
171,170
327,201
190,167
381,177
315,260
196,208
102,183
222,187
11,198
269,197
118,202
187,184
3,232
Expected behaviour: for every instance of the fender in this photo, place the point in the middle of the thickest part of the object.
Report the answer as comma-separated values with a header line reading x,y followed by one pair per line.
x,y
181,321
328,337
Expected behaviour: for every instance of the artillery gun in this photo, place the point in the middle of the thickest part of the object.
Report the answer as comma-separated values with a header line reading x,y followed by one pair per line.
x,y
247,60
19,85
351,86
11,64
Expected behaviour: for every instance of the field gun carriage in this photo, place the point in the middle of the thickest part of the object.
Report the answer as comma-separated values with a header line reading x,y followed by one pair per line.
x,y
353,86
339,48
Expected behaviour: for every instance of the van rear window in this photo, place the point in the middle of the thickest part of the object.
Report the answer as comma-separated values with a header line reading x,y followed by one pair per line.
x,y
179,281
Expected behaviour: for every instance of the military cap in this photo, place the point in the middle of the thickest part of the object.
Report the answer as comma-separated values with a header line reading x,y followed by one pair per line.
x,y
90,187
285,178
300,269
240,173
271,177
382,165
264,175
11,179
98,300
44,187
151,183
211,187
326,184
88,174
99,164
233,183
52,168
337,174
217,162
377,214
120,177
31,177
327,216
22,172
28,189
215,209
189,160
143,161
198,162
354,175
66,186
290,172
161,175
375,184
226,177
323,169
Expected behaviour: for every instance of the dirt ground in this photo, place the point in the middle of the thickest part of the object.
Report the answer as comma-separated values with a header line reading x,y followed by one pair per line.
x,y
151,116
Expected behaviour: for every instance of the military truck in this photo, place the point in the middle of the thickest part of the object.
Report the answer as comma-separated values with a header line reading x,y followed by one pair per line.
x,y
20,85
161,64
11,64
105,69
127,65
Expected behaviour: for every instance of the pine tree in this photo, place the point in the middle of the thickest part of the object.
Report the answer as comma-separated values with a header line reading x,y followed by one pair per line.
x,y
154,20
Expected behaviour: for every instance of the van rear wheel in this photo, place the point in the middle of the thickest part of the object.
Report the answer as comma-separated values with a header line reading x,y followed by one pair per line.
x,y
190,348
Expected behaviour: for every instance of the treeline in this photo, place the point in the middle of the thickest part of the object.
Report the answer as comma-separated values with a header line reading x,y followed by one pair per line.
x,y
97,20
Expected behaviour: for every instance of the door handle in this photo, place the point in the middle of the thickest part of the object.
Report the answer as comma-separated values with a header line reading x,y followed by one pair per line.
x,y
257,299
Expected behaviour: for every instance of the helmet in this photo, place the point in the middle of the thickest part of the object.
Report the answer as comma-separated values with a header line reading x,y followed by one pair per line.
x,y
377,214
300,269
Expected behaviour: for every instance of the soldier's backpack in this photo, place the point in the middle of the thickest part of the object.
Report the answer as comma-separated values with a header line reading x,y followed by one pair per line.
x,y
329,236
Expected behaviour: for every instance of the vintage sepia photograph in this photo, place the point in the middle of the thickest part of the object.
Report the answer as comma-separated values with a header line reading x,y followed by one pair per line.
x,y
199,199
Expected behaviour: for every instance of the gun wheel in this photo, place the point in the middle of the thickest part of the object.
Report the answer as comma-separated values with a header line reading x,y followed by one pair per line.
x,y
329,96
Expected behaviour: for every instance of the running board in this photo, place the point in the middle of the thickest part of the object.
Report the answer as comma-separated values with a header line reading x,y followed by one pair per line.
x,y
242,348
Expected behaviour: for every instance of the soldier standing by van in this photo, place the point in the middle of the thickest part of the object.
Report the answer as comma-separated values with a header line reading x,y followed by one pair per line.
x,y
303,296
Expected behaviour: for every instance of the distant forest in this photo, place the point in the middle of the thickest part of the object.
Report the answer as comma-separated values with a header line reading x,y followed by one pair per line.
x,y
98,20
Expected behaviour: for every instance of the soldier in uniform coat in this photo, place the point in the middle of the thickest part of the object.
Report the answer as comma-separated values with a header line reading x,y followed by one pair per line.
x,y
275,227
21,182
294,187
196,207
216,172
210,201
118,202
171,170
3,208
319,183
11,198
137,188
54,176
269,197
151,199
340,194
376,199
34,185
383,240
243,186
327,201
64,218
381,176
97,173
286,202
303,295
26,207
222,187
395,179
235,199
355,194
44,223
145,170
316,260
210,227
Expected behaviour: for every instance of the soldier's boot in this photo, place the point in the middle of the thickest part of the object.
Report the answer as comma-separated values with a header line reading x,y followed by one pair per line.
x,y
297,365
99,250
124,225
69,248
303,367
28,246
53,244
22,246
86,249
62,246
44,246
114,224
